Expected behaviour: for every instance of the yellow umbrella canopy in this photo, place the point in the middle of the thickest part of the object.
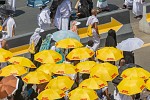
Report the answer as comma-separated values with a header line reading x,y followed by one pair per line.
x,y
135,72
131,86
109,54
36,77
148,84
16,70
104,71
48,56
22,61
93,83
83,94
80,54
46,68
68,43
84,67
5,55
61,82
63,68
51,94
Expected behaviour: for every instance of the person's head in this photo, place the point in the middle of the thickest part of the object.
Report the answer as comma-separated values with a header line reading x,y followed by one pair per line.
x,y
29,86
94,12
90,43
85,76
1,35
38,30
112,33
122,62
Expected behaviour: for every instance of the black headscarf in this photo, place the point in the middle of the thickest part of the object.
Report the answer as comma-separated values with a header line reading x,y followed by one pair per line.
x,y
112,33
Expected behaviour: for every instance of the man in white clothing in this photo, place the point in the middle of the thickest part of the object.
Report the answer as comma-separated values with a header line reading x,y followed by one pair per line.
x,y
128,4
9,26
44,18
93,21
62,15
12,4
138,8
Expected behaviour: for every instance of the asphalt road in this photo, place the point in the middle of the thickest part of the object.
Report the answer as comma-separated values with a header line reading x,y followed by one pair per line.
x,y
26,17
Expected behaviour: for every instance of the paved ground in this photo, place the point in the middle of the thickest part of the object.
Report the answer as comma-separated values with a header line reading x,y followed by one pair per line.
x,y
26,19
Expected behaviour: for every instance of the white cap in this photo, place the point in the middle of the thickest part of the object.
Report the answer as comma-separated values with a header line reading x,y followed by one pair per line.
x,y
39,30
78,23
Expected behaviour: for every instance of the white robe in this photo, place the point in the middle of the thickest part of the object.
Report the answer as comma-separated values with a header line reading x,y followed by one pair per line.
x,y
9,23
44,19
128,2
91,20
62,15
138,7
12,4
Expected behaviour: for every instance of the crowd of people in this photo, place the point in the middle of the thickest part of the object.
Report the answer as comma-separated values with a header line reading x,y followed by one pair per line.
x,y
58,15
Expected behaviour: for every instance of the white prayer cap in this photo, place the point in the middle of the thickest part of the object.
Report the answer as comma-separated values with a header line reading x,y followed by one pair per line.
x,y
39,30
78,23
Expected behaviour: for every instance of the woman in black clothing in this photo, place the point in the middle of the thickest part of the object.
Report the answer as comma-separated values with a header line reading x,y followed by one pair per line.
x,y
111,40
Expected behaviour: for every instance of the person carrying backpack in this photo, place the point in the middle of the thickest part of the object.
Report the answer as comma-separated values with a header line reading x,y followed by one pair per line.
x,y
46,44
35,44
29,93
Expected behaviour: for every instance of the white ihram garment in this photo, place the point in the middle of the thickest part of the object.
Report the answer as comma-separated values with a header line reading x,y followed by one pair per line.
x,y
44,19
138,7
62,15
128,2
9,23
91,20
12,4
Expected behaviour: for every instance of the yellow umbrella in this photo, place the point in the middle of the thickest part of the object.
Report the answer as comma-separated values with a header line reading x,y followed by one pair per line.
x,y
83,94
48,56
5,55
46,68
135,72
109,54
51,94
131,86
61,82
63,68
80,54
104,71
148,84
22,61
84,67
36,77
93,83
68,43
16,70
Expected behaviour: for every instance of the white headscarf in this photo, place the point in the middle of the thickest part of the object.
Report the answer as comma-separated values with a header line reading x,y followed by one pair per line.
x,y
36,36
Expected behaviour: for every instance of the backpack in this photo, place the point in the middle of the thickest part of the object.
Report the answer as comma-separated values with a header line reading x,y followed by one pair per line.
x,y
89,30
31,48
26,94
46,44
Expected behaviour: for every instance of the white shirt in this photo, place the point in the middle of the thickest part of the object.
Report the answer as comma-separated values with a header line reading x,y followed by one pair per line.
x,y
9,23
